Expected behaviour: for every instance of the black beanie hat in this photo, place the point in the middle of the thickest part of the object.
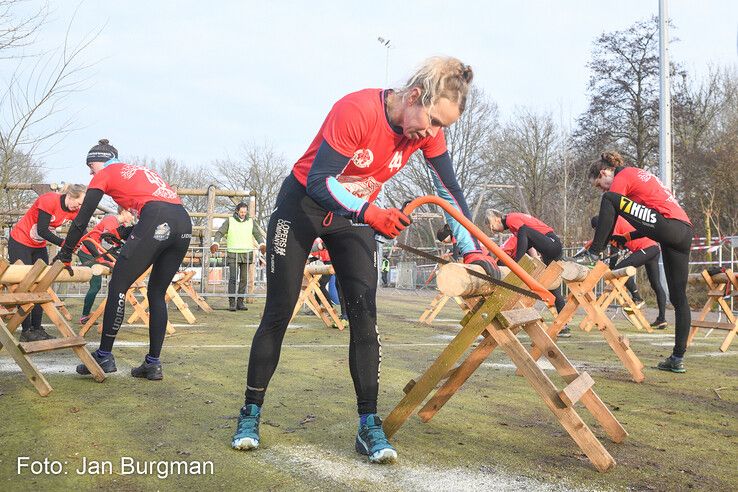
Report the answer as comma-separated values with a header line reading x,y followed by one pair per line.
x,y
102,152
443,232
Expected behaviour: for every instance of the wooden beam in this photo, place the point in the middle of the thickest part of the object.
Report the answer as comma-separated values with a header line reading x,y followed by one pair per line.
x,y
576,389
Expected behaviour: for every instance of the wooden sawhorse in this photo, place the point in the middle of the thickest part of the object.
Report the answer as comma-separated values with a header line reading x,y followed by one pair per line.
x,y
310,290
719,286
436,306
32,290
140,286
172,294
581,294
183,282
498,316
615,290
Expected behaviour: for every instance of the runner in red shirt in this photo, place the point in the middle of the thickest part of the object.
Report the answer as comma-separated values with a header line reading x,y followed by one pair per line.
x,y
117,227
367,137
29,236
530,232
643,252
159,240
640,198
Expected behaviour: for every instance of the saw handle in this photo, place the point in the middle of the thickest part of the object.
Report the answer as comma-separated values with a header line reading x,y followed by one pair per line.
x,y
532,283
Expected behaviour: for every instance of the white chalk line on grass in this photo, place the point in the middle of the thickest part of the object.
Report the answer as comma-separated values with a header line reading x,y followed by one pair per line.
x,y
355,472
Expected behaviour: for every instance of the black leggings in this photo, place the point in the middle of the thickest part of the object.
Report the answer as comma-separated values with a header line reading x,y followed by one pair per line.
x,y
160,238
28,256
675,238
549,247
648,258
294,225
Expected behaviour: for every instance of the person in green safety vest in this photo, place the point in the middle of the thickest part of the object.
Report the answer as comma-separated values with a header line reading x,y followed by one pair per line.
x,y
385,271
243,240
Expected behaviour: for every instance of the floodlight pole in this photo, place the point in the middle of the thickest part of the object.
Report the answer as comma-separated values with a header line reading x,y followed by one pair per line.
x,y
665,172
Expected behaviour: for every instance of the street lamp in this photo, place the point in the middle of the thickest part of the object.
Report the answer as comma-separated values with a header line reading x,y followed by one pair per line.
x,y
387,44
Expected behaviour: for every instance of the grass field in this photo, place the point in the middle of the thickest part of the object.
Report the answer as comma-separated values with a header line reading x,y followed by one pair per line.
x,y
495,434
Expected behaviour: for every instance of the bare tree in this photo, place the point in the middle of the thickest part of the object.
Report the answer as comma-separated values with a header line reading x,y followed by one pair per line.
x,y
32,99
528,154
18,30
623,87
258,168
706,149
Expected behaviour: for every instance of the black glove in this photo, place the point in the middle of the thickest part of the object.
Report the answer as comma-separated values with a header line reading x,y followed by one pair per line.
x,y
65,257
110,238
618,241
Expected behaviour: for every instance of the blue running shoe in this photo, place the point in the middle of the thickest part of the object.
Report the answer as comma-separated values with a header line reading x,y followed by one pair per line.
x,y
372,442
247,431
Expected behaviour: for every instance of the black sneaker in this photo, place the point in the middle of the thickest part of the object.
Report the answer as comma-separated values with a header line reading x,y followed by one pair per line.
x,y
565,332
672,364
241,306
151,371
107,364
35,335
659,325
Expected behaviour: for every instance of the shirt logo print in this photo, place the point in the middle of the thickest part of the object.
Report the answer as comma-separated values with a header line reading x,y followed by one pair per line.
x,y
363,158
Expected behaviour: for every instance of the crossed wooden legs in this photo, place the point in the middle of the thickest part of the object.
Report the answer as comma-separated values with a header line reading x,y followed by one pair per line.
x,y
31,291
493,318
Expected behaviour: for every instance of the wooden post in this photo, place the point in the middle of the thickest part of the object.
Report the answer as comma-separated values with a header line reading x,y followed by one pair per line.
x,y
252,265
207,238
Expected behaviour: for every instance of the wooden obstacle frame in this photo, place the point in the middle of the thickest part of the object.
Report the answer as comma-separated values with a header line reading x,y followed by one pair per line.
x,y
581,282
138,287
181,282
28,286
312,296
498,316
720,286
616,291
436,306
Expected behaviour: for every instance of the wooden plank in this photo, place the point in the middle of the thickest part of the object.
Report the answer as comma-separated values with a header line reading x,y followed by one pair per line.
x,y
80,351
574,391
181,305
12,298
54,344
714,325
29,368
514,318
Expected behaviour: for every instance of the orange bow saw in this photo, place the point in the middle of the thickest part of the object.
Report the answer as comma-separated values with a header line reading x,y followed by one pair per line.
x,y
532,283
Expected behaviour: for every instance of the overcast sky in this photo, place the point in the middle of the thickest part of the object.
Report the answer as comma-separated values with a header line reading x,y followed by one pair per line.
x,y
193,80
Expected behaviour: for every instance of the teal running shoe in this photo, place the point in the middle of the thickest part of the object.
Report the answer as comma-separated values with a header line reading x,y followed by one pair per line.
x,y
371,441
672,364
247,431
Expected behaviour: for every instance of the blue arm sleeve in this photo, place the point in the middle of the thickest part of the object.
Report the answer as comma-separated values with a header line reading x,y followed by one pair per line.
x,y
444,179
324,188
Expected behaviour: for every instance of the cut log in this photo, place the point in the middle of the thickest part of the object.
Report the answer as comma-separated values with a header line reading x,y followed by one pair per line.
x,y
719,278
320,269
454,280
16,273
628,271
573,272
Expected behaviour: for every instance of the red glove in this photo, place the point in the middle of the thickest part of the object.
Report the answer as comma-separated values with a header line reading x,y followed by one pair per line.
x,y
389,222
485,261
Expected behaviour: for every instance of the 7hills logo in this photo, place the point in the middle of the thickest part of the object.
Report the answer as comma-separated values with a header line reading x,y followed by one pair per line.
x,y
637,210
